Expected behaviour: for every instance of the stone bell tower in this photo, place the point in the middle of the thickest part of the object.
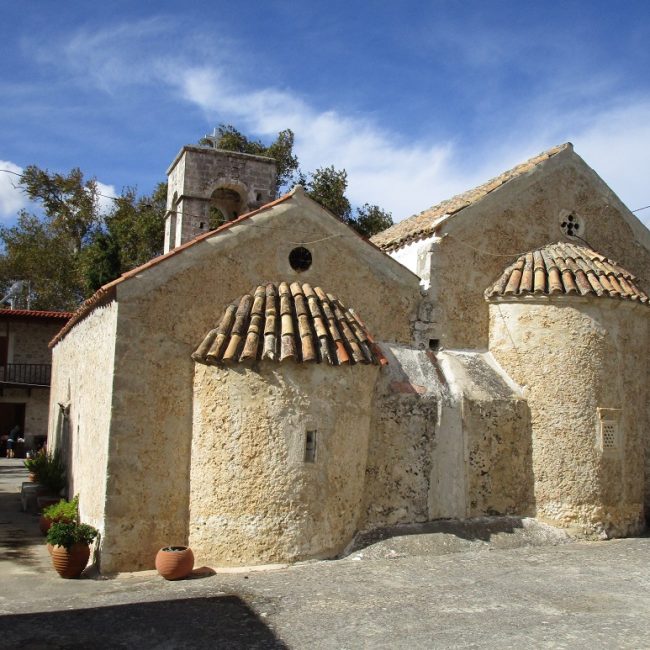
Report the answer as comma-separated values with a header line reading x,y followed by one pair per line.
x,y
207,186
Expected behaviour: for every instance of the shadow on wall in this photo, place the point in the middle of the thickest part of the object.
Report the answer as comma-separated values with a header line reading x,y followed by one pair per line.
x,y
217,622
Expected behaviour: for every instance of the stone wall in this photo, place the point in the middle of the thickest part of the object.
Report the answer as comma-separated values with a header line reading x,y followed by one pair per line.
x,y
164,314
198,171
80,408
471,248
573,357
253,498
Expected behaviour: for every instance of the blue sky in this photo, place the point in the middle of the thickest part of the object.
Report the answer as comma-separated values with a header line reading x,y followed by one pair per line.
x,y
417,100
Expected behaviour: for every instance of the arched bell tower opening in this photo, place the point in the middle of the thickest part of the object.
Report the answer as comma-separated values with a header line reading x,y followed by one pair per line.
x,y
208,187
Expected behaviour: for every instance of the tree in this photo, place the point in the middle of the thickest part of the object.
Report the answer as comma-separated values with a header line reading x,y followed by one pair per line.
x,y
326,185
74,247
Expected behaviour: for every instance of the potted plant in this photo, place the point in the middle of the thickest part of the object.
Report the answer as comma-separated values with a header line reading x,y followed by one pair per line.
x,y
63,511
70,547
35,465
174,562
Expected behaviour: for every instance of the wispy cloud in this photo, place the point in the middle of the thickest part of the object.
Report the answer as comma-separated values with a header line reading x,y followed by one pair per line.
x,y
384,167
12,198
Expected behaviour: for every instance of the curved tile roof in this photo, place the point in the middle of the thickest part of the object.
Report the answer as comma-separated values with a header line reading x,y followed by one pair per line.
x,y
422,225
298,322
567,269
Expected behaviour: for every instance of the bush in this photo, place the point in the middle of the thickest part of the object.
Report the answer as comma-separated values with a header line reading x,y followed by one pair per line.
x,y
63,511
37,464
49,470
67,534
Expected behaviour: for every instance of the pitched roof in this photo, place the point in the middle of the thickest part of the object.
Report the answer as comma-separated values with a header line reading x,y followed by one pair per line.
x,y
282,322
566,269
423,224
31,313
106,293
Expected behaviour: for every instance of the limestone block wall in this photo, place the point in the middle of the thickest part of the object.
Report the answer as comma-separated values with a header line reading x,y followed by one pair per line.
x,y
80,408
470,249
254,499
487,412
198,171
164,314
403,440
574,357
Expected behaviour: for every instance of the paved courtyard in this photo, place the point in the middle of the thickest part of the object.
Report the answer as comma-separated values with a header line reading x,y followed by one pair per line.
x,y
402,593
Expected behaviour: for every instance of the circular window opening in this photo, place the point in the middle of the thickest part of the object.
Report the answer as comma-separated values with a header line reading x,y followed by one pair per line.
x,y
300,259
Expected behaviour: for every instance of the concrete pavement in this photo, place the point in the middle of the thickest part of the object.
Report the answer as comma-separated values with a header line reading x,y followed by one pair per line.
x,y
397,593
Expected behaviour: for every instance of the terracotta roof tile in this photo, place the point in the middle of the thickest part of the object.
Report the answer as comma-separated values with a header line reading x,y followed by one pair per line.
x,y
31,313
423,224
312,327
564,268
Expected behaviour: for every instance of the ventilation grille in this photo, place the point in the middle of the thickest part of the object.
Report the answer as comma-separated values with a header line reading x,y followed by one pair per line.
x,y
610,435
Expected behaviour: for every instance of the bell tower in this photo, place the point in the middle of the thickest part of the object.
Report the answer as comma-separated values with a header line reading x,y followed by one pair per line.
x,y
209,186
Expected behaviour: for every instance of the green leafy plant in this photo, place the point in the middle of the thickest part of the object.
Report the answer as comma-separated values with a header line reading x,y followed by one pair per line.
x,y
63,511
67,534
36,464
51,474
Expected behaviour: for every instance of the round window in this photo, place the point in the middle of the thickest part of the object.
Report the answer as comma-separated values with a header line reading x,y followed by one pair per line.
x,y
300,259
571,224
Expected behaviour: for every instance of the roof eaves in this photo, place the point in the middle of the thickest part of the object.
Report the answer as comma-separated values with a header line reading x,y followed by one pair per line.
x,y
424,223
107,292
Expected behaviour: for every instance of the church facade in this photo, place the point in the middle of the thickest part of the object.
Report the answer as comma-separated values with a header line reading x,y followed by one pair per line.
x,y
266,390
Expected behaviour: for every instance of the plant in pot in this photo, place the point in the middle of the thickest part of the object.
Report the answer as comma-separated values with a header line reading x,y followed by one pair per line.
x,y
63,511
35,466
70,547
174,562
52,476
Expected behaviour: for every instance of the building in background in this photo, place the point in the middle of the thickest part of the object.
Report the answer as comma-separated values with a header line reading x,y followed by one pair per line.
x,y
25,370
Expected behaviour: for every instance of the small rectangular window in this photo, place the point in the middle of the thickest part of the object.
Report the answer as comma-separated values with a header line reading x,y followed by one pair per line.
x,y
310,447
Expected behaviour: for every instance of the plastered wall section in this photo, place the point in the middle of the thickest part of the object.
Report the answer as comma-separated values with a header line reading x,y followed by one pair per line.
x,y
82,378
165,313
254,497
471,248
573,357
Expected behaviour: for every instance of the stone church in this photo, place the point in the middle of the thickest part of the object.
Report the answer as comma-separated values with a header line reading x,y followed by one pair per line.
x,y
266,390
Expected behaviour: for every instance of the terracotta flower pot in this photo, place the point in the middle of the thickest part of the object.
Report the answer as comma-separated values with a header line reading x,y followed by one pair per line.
x,y
70,563
174,562
44,524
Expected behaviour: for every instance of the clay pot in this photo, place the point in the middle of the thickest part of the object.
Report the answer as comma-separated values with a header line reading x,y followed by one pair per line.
x,y
70,563
174,562
44,523
31,477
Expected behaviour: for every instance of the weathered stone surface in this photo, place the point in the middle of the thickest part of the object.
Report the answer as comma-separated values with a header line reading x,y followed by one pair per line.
x,y
572,357
254,496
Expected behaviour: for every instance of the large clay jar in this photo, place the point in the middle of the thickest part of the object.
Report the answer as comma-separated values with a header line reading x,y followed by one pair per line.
x,y
70,563
174,562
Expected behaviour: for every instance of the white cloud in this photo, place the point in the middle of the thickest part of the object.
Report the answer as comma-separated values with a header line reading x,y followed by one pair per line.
x,y
402,176
11,197
106,195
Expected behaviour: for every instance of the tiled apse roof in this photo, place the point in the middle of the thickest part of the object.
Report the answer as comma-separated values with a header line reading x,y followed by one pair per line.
x,y
564,268
289,322
423,224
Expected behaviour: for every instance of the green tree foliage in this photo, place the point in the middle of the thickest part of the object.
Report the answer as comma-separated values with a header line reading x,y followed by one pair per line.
x,y
73,247
327,185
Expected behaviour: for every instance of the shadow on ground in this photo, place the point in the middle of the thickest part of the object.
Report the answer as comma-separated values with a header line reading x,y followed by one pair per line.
x,y
216,622
19,531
